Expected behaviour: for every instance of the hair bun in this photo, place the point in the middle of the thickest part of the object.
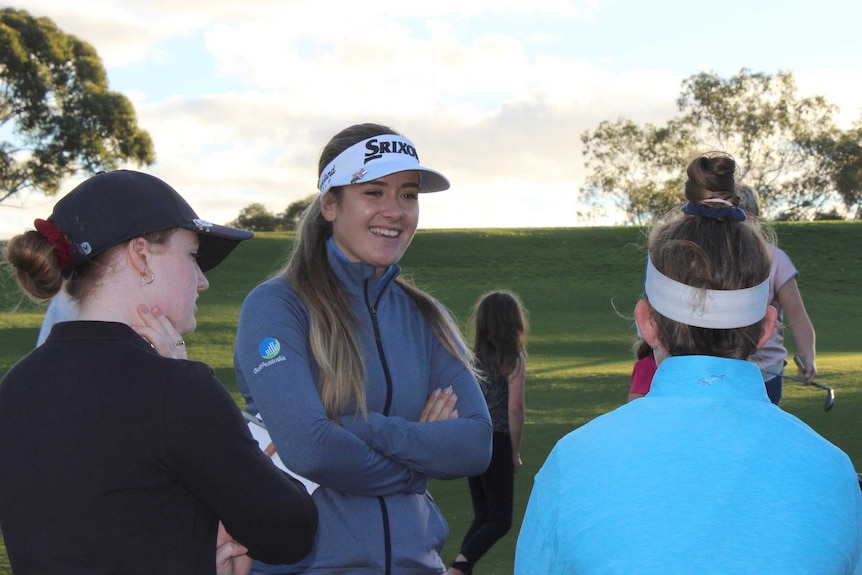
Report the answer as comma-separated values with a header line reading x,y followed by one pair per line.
x,y
711,176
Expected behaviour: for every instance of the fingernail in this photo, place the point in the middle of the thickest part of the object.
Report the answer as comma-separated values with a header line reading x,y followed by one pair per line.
x,y
436,392
449,389
454,414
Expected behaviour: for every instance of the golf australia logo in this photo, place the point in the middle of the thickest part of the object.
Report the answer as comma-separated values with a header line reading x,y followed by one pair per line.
x,y
269,349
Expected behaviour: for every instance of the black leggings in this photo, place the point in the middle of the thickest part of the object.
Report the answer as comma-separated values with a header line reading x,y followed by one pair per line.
x,y
493,495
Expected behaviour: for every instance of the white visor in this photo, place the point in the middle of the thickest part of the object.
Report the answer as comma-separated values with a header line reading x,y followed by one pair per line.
x,y
377,157
700,307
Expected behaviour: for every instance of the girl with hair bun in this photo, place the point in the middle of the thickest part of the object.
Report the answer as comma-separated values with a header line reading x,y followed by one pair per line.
x,y
117,453
704,474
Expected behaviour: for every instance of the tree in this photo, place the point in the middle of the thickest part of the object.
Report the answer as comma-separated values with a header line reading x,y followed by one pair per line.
x,y
54,96
757,118
760,120
839,165
257,218
290,217
636,168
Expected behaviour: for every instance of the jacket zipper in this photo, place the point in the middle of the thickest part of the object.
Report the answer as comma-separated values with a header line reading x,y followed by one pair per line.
x,y
384,513
372,309
387,537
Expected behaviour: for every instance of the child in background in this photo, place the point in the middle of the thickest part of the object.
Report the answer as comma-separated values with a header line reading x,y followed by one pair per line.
x,y
784,296
643,371
500,323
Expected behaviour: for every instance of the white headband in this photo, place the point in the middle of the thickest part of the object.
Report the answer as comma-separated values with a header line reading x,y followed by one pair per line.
x,y
700,307
377,157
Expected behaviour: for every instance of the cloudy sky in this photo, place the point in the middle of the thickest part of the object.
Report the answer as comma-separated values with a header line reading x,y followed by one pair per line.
x,y
240,96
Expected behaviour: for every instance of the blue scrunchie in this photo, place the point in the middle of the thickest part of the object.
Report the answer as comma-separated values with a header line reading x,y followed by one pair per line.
x,y
723,213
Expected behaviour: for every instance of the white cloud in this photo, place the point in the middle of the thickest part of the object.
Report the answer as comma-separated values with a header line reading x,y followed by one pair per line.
x,y
490,97
123,33
842,87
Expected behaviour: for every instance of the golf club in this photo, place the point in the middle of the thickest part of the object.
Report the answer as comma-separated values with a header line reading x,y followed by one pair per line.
x,y
830,393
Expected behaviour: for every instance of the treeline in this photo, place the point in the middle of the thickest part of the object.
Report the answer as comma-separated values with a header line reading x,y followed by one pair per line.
x,y
257,218
787,148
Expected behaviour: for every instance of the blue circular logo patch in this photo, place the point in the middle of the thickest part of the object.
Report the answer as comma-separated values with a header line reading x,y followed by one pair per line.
x,y
269,348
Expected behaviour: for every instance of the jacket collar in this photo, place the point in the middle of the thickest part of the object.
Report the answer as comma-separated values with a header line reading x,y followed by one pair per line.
x,y
708,377
359,277
96,330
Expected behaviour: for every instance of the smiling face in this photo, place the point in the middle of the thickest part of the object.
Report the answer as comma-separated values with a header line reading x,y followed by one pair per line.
x,y
375,221
177,279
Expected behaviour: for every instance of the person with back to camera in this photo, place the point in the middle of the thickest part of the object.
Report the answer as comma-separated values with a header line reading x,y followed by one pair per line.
x,y
362,379
61,308
676,482
118,455
785,297
643,370
500,327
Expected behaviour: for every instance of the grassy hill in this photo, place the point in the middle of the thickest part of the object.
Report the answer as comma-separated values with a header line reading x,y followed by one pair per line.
x,y
580,286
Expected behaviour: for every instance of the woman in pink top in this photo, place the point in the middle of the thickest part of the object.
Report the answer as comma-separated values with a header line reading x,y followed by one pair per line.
x,y
643,370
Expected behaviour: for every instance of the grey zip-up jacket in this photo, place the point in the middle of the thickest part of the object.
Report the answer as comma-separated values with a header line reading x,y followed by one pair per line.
x,y
375,513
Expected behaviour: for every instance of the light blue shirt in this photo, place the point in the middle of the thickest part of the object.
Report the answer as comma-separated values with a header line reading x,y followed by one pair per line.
x,y
703,476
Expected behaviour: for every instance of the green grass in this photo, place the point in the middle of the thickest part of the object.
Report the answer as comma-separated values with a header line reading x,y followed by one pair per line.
x,y
580,285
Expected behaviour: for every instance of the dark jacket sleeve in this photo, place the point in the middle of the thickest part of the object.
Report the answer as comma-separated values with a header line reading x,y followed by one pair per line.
x,y
210,449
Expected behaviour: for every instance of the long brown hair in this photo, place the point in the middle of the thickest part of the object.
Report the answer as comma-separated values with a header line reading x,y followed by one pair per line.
x,y
333,332
500,328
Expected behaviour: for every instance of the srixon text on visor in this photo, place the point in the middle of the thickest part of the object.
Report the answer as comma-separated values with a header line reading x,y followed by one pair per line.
x,y
376,149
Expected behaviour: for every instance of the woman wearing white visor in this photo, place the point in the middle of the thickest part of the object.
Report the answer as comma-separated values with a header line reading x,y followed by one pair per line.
x,y
361,378
703,475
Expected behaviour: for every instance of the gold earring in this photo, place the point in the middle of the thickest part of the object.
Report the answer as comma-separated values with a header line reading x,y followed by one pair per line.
x,y
147,277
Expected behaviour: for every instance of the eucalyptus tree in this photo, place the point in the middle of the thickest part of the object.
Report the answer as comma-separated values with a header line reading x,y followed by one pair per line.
x,y
839,166
57,115
256,218
636,168
758,118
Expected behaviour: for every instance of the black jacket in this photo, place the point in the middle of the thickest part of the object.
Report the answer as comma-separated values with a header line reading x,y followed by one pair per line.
x,y
114,459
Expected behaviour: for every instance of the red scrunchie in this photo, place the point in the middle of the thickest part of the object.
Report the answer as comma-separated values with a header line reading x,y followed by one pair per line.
x,y
56,238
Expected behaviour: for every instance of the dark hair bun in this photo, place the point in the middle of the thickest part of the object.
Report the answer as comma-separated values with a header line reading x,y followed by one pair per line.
x,y
710,176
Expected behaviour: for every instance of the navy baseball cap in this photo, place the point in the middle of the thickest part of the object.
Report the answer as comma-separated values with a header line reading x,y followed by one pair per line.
x,y
113,207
